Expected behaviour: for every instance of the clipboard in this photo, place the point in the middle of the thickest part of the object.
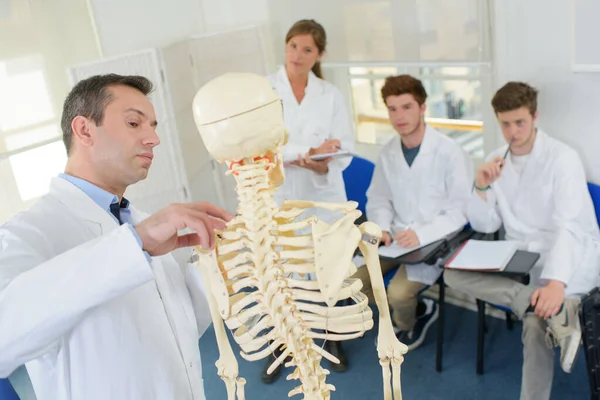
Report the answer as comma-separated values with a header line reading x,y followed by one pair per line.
x,y
338,154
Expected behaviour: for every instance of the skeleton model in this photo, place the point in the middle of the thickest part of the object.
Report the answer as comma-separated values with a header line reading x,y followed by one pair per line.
x,y
254,273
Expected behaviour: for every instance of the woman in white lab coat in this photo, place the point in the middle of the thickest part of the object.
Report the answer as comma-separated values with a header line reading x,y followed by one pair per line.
x,y
316,116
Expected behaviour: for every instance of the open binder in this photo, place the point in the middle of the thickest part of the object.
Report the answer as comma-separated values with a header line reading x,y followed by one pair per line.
x,y
483,255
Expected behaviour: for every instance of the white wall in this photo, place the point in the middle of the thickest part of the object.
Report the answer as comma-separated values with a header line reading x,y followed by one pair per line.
x,y
131,25
533,44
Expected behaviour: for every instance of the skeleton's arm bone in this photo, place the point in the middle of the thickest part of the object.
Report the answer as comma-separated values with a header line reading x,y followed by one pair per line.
x,y
388,346
227,366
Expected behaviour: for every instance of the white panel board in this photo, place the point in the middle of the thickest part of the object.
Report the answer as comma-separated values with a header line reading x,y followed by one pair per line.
x,y
177,67
240,50
586,31
164,183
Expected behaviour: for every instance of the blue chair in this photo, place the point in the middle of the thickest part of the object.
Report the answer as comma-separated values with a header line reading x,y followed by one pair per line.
x,y
594,191
595,194
7,392
357,178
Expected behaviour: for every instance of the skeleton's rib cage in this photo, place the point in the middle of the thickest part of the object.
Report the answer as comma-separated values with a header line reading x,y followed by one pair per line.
x,y
254,274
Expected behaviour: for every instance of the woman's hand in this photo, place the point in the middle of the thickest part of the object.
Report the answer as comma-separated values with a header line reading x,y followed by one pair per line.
x,y
320,167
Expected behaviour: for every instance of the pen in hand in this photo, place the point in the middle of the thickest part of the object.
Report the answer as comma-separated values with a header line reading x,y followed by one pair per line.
x,y
501,164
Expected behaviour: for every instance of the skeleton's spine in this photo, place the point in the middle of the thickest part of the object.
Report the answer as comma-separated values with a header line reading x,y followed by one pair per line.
x,y
257,209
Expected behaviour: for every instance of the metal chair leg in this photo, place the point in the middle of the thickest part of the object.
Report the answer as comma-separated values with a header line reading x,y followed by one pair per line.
x,y
480,335
440,330
509,322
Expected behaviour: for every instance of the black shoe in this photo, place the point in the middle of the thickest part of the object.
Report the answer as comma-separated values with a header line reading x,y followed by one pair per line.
x,y
270,378
336,350
415,337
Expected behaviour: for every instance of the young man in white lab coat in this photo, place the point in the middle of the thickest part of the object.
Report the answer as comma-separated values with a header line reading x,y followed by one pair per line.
x,y
91,300
418,195
539,194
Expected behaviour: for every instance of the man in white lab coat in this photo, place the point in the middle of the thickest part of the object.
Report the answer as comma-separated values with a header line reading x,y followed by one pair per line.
x,y
539,193
418,195
91,301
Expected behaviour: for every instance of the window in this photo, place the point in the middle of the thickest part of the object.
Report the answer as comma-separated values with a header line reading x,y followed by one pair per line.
x,y
454,104
33,169
33,86
28,126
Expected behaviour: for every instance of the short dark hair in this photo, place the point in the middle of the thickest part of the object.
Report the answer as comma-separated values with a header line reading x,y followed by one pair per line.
x,y
90,97
403,84
513,96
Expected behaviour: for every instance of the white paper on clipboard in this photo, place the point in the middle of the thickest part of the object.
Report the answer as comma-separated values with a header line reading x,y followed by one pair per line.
x,y
338,154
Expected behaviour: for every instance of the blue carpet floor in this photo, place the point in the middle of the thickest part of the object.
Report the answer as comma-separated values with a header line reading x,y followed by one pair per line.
x,y
458,381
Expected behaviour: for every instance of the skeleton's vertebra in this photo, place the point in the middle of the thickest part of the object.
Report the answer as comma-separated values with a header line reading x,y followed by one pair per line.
x,y
252,273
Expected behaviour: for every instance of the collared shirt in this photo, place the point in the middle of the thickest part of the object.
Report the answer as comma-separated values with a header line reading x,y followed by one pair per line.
x,y
104,199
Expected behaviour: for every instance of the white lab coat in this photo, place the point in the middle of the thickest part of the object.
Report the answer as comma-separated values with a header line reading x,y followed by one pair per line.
x,y
548,210
89,316
321,115
430,197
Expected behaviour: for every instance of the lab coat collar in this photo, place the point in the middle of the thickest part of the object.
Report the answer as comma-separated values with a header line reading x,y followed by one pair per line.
x,y
80,204
536,155
539,145
100,196
314,84
430,140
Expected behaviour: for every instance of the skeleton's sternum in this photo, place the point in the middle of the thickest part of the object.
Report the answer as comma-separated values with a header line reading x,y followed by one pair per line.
x,y
257,209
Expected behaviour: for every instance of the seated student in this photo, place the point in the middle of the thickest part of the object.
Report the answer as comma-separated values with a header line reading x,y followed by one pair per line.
x,y
418,194
539,194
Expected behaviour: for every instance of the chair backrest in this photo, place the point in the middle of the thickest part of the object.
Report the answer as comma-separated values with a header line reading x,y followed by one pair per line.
x,y
7,392
357,178
595,194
